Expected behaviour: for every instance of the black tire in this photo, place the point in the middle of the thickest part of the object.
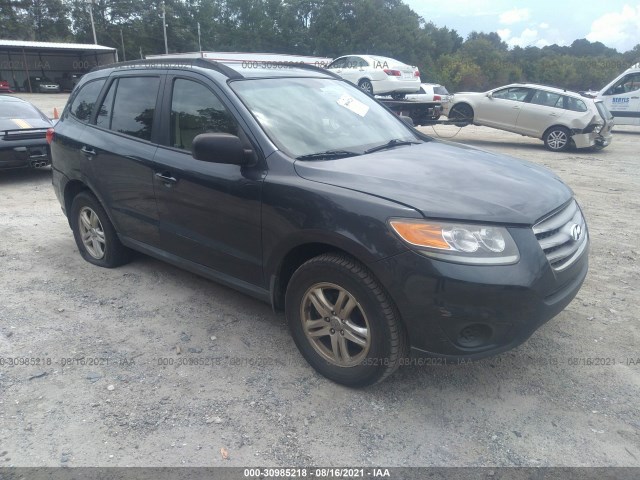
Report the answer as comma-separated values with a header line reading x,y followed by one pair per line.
x,y
366,85
557,139
373,313
114,253
461,110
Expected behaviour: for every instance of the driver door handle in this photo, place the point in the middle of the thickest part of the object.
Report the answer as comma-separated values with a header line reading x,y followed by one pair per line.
x,y
166,178
88,152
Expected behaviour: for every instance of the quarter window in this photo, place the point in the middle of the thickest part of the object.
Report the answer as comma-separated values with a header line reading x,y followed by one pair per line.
x,y
82,105
134,106
575,104
195,110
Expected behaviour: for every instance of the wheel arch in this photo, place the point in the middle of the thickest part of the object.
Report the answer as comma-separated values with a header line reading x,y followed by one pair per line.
x,y
75,187
556,125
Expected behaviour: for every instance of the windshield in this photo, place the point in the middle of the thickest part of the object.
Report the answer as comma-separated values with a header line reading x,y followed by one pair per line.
x,y
305,116
18,110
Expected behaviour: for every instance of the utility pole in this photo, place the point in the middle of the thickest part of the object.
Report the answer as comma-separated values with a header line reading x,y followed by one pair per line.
x,y
164,28
124,54
93,26
199,43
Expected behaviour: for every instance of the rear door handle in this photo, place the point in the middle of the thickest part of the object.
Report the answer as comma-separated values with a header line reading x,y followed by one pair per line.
x,y
553,114
88,152
166,178
517,107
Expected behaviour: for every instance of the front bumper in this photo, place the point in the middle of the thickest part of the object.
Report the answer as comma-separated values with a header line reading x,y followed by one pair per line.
x,y
464,311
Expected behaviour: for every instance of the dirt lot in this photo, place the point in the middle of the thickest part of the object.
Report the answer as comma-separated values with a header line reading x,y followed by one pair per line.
x,y
106,388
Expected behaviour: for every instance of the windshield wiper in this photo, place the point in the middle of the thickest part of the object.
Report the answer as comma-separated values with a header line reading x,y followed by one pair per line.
x,y
328,155
391,143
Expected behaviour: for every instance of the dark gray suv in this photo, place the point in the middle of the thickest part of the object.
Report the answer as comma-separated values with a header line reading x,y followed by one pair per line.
x,y
292,185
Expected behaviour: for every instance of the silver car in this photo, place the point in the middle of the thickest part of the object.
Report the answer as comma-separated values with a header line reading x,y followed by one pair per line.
x,y
558,117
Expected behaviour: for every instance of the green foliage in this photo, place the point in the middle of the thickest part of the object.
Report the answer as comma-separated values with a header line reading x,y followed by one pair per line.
x,y
316,27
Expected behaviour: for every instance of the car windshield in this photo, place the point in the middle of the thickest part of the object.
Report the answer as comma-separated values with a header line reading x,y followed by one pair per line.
x,y
307,116
18,110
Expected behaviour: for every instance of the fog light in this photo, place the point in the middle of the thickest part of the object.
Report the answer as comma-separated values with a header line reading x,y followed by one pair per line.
x,y
474,335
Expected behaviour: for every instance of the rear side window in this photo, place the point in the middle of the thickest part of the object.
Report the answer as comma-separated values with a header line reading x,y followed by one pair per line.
x,y
195,110
547,99
440,91
134,106
82,105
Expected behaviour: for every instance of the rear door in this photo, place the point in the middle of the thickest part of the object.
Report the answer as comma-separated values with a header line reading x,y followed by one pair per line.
x,y
210,213
542,111
622,98
120,146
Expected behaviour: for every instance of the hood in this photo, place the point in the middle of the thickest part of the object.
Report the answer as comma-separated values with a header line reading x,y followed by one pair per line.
x,y
448,181
23,123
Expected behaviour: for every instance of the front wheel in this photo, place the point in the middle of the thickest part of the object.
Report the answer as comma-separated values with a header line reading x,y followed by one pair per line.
x,y
366,85
343,322
462,112
557,139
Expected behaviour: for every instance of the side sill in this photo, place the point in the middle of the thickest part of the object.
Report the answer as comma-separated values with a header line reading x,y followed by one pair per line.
x,y
240,285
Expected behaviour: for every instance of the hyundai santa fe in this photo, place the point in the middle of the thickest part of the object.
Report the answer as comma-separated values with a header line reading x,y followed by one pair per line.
x,y
296,187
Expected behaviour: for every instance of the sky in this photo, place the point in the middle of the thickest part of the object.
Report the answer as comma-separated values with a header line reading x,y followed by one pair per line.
x,y
616,23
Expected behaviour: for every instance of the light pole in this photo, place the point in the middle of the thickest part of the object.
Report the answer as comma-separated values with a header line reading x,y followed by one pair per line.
x,y
199,43
93,27
164,29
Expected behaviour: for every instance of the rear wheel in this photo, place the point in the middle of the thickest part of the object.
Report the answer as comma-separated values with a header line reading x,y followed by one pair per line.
x,y
343,322
95,236
366,85
557,139
463,112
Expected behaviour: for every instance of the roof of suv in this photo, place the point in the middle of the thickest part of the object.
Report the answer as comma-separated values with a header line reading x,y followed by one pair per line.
x,y
232,70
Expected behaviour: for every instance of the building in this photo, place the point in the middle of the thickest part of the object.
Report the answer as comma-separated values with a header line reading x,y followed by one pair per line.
x,y
26,64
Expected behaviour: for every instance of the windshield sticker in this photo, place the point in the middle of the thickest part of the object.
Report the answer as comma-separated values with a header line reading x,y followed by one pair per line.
x,y
357,107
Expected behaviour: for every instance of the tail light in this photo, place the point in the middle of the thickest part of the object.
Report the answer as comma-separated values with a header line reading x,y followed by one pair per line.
x,y
437,98
50,135
393,73
417,73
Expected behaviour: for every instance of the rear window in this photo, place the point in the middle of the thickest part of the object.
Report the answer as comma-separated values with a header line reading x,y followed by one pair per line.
x,y
82,104
18,110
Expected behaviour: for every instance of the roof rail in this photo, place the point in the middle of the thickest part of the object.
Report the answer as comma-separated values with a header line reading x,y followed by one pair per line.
x,y
175,62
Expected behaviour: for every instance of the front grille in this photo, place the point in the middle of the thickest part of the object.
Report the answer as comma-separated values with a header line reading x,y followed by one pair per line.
x,y
563,236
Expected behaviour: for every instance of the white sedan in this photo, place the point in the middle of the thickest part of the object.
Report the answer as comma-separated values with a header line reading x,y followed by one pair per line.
x,y
377,75
558,117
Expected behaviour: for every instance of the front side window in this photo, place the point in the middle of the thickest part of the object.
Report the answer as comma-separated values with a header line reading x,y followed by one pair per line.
x,y
195,110
329,115
547,99
134,106
517,94
82,105
628,83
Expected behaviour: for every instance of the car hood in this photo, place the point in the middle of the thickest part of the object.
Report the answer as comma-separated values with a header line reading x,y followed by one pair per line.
x,y
448,181
22,123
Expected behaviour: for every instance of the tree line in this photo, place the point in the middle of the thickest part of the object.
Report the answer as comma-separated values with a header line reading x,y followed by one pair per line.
x,y
327,28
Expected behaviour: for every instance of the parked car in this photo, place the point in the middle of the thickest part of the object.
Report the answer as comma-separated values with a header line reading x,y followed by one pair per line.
x,y
377,75
431,92
41,85
69,80
622,96
558,117
23,130
5,87
373,237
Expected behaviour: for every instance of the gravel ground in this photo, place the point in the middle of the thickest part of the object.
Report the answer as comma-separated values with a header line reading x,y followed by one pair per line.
x,y
105,388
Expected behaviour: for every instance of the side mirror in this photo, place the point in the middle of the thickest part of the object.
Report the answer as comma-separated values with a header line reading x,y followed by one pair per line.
x,y
489,94
220,148
407,120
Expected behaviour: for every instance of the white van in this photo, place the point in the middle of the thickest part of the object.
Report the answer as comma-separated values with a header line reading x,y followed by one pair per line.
x,y
622,96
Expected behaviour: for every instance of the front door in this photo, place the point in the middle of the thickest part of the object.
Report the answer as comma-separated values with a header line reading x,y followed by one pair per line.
x,y
210,213
622,99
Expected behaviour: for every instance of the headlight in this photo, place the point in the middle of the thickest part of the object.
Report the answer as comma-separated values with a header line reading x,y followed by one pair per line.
x,y
457,242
